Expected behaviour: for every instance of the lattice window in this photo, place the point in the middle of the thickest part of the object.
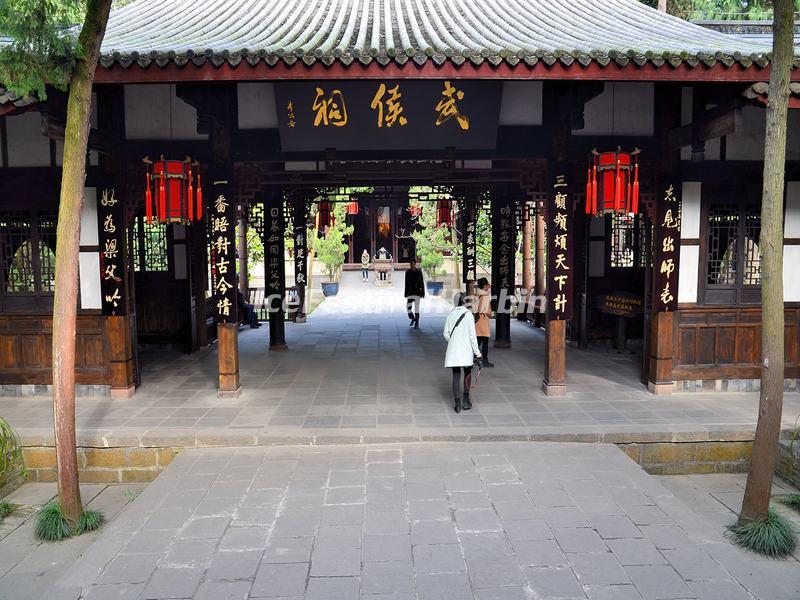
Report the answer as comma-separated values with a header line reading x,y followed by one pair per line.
x,y
47,252
751,271
27,252
723,228
623,240
149,247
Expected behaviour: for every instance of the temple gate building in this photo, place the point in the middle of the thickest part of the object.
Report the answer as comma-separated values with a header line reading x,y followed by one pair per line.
x,y
634,139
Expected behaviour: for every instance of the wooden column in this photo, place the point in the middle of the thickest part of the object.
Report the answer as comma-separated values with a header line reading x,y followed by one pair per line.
x,y
538,263
527,287
504,233
120,356
241,249
274,265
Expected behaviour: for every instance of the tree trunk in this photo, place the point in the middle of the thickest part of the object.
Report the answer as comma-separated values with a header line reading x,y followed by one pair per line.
x,y
65,307
762,463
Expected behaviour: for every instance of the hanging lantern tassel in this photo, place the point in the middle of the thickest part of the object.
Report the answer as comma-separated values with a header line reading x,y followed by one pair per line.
x,y
589,191
148,199
190,199
635,193
594,188
618,189
162,194
199,198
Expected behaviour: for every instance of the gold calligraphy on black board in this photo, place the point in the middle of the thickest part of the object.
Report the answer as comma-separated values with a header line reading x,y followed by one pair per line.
x,y
559,247
110,216
222,235
667,251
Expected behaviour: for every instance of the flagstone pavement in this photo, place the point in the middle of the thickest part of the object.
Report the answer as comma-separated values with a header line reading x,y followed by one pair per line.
x,y
505,521
357,372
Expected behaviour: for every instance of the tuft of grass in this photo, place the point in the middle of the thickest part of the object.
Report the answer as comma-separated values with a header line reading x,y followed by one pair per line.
x,y
51,525
792,500
89,521
6,508
774,536
132,493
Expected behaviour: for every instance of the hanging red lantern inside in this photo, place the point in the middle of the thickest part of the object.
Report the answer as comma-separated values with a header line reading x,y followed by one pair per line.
x,y
612,182
352,208
324,216
173,191
444,213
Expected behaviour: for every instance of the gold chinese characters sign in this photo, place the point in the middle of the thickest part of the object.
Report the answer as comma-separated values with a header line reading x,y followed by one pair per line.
x,y
667,251
222,231
559,247
388,114
112,256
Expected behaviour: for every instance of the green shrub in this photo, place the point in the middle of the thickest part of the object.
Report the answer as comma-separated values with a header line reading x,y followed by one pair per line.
x,y
51,525
12,467
773,536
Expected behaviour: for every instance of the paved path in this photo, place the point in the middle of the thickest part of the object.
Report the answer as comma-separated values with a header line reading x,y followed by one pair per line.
x,y
421,521
357,372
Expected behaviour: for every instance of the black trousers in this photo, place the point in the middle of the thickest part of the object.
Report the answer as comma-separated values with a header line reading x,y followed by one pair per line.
x,y
457,380
412,308
483,343
249,315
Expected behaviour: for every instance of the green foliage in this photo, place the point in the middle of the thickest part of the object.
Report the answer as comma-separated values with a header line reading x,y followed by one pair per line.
x,y
740,10
43,44
432,242
792,500
132,494
330,248
6,508
12,466
774,536
51,525
90,520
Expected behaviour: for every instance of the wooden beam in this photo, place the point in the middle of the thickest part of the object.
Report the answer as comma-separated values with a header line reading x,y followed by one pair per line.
x,y
711,124
718,73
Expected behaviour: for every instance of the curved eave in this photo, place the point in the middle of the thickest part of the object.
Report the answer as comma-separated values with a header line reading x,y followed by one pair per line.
x,y
210,67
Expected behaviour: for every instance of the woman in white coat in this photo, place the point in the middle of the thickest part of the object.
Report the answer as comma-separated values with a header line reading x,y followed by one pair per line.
x,y
462,348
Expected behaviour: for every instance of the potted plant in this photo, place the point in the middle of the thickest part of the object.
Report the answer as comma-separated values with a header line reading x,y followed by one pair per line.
x,y
330,249
432,243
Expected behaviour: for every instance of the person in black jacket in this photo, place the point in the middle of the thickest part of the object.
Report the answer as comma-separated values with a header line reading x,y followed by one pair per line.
x,y
414,292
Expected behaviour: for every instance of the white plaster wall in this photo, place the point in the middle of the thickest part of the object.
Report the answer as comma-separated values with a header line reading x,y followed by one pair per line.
x,y
622,109
256,103
687,273
154,112
690,210
791,273
89,231
89,264
791,227
27,147
521,103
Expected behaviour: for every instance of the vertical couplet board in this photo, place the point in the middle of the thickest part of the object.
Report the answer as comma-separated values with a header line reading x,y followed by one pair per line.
x,y
110,215
469,246
503,258
274,230
222,233
300,251
559,224
667,249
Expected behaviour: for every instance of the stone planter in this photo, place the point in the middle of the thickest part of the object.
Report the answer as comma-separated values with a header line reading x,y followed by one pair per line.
x,y
330,288
434,287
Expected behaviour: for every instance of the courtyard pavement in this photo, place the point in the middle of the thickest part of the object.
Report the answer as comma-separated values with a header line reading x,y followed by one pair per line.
x,y
356,372
505,521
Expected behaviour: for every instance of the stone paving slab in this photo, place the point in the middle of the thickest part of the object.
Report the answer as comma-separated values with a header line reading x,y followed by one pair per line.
x,y
424,521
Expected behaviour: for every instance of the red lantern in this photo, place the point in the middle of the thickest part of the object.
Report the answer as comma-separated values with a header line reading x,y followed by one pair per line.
x,y
323,215
175,198
352,208
444,213
612,182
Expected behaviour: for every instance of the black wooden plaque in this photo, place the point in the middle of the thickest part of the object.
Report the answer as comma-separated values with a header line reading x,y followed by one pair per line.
x,y
667,250
388,115
560,271
110,215
221,216
274,228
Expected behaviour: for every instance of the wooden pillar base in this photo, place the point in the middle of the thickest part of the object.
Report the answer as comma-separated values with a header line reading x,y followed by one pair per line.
x,y
555,358
278,347
120,356
228,354
502,343
659,377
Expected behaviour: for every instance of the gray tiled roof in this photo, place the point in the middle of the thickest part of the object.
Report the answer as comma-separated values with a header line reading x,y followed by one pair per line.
x,y
511,31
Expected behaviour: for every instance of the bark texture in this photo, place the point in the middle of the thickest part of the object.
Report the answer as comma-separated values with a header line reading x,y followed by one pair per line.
x,y
65,307
762,463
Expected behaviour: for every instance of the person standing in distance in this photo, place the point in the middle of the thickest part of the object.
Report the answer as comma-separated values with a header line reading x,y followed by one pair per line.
x,y
414,292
